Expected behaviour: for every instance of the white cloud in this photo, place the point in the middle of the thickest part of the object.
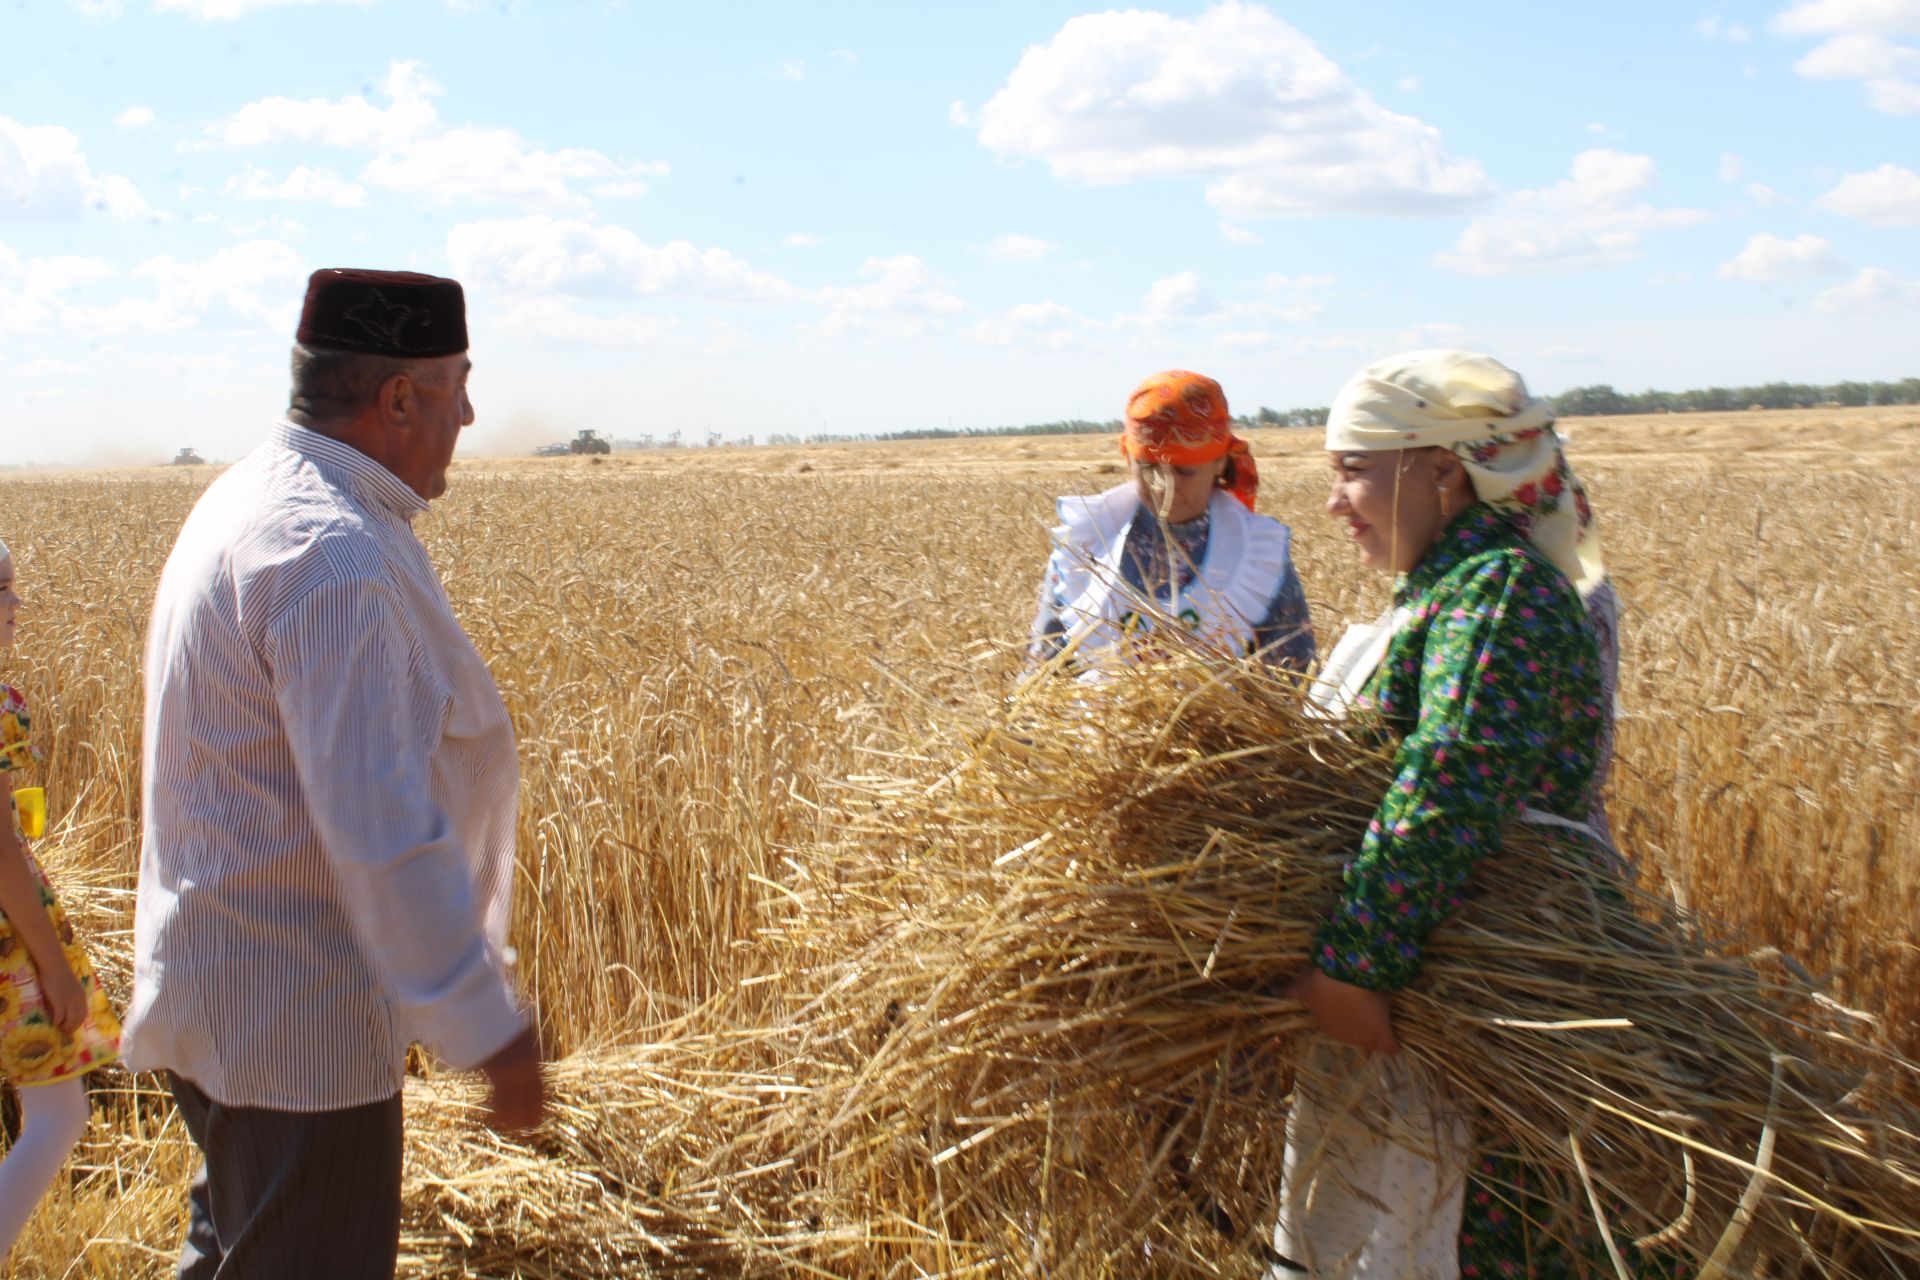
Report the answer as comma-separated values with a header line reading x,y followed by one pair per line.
x,y
550,321
216,10
44,368
351,123
259,281
303,186
1885,197
1017,248
1661,279
1859,46
98,8
1714,29
1181,295
957,114
900,298
1762,194
246,285
1238,235
1874,289
543,255
1591,219
792,69
847,56
1236,97
1730,168
1182,301
625,189
1298,284
467,165
134,118
1039,326
1769,257
1408,84
1819,17
414,153
804,240
1859,58
45,176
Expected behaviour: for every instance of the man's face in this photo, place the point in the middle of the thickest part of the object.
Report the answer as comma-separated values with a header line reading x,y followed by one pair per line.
x,y
438,411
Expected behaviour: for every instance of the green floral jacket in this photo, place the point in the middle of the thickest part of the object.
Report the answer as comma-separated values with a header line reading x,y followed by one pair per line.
x,y
1493,689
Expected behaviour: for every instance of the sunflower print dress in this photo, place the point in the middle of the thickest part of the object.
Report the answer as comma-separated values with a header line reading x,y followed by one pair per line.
x,y
32,1049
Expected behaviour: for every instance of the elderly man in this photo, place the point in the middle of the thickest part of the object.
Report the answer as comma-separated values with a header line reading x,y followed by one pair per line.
x,y
329,804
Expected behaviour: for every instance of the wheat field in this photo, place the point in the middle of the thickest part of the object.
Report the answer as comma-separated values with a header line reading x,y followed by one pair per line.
x,y
690,643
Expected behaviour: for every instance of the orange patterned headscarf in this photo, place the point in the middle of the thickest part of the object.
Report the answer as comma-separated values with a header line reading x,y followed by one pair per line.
x,y
1180,419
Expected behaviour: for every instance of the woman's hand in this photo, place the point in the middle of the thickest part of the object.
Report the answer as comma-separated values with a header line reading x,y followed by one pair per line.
x,y
66,998
1348,1013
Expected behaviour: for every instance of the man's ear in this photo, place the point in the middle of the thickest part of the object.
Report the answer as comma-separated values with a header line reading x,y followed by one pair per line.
x,y
396,399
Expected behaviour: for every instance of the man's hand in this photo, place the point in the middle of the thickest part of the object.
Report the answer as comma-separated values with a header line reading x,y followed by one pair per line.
x,y
1346,1012
66,998
516,1095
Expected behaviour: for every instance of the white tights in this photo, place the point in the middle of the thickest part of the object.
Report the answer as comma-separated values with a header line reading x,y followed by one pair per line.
x,y
52,1119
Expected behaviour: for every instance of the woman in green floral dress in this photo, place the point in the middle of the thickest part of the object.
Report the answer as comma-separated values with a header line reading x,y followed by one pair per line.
x,y
1489,671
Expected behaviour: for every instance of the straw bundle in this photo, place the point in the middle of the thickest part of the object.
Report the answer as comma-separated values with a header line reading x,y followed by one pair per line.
x,y
1029,1022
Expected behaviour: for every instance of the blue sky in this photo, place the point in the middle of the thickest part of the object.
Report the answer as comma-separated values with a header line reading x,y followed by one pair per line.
x,y
751,218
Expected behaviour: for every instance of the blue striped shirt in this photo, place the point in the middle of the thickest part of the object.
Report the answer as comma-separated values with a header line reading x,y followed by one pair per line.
x,y
329,796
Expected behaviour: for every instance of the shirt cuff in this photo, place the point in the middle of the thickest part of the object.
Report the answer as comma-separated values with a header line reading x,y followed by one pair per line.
x,y
1359,964
471,1025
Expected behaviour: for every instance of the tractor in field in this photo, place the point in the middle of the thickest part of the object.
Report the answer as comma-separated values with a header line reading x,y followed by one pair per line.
x,y
187,458
589,442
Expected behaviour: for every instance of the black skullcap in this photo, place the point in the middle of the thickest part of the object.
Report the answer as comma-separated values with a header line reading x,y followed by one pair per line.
x,y
383,313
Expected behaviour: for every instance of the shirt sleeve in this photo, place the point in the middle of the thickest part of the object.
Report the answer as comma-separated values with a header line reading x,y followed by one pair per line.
x,y
1285,638
1486,688
347,680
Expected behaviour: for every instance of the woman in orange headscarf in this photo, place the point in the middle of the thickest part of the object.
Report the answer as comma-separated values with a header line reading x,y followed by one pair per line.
x,y
1179,541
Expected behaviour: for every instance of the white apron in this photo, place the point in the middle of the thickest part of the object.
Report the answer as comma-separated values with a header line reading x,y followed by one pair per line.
x,y
1246,560
1377,1156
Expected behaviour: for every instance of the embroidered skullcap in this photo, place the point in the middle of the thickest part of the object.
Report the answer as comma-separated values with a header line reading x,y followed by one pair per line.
x,y
1180,419
1481,411
401,314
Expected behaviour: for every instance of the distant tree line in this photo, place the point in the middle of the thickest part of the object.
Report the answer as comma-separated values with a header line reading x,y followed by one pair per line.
x,y
1603,400
1580,402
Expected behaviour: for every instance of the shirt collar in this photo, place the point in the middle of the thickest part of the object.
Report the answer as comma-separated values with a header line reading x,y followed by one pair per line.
x,y
341,461
1472,531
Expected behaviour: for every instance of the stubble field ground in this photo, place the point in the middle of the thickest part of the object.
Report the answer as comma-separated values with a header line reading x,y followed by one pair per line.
x,y
684,637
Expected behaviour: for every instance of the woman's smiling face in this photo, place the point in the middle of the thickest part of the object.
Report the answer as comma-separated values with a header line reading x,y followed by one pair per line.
x,y
1391,503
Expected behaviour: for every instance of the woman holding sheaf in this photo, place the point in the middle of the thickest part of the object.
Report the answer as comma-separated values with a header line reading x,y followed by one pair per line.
x,y
1493,673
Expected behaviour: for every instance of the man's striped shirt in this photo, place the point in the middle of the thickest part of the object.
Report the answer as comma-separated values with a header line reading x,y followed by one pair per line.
x,y
329,795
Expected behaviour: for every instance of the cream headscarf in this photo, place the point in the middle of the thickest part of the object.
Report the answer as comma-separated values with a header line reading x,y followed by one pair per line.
x,y
1481,410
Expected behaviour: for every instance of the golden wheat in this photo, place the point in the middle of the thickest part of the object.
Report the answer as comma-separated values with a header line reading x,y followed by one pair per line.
x,y
688,643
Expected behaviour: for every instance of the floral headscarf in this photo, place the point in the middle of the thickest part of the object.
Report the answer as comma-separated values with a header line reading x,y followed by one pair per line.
x,y
1180,419
1481,410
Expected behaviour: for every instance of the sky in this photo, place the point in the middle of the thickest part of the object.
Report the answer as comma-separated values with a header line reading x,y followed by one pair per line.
x,y
841,216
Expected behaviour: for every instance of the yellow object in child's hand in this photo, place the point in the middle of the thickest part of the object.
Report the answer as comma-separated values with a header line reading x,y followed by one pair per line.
x,y
31,802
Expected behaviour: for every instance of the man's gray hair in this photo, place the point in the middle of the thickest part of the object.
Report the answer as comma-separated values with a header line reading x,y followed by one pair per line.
x,y
330,386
